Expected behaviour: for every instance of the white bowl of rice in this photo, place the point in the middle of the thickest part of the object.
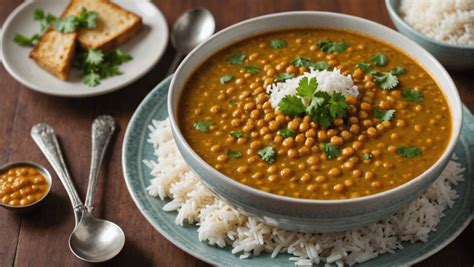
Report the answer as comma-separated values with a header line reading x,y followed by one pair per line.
x,y
443,27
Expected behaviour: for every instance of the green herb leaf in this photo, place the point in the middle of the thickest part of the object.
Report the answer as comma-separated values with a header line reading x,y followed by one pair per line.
x,y
379,59
233,154
365,67
331,150
329,46
291,105
384,115
408,151
94,56
92,79
320,65
68,24
300,61
307,87
232,101
86,19
26,41
251,69
278,43
386,80
117,57
367,156
236,59
226,78
285,132
412,95
236,134
284,76
38,14
399,70
267,154
203,126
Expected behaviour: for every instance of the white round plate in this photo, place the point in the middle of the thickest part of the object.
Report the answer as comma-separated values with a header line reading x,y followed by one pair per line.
x,y
146,48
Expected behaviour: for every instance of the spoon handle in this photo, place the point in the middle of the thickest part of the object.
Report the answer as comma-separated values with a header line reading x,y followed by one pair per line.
x,y
45,138
102,129
175,63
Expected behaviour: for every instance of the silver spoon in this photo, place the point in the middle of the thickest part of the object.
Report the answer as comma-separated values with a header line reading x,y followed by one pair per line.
x,y
190,29
92,239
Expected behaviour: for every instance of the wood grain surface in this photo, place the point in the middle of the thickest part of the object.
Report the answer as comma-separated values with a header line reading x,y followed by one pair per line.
x,y
41,238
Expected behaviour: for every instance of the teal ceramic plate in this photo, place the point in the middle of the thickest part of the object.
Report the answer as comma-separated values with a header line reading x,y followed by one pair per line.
x,y
137,176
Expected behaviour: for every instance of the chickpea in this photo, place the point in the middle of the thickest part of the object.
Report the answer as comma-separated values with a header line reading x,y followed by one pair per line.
x,y
273,125
215,109
321,179
355,129
369,175
336,140
272,169
288,142
334,172
292,153
293,125
322,136
243,169
356,173
216,148
309,142
348,151
312,160
300,139
339,188
286,172
272,178
376,184
365,106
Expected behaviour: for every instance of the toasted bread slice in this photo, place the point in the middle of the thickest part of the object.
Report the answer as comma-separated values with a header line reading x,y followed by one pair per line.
x,y
55,51
114,25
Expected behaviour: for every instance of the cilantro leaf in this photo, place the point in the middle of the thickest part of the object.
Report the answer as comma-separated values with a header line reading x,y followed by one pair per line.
x,y
238,134
307,87
331,150
284,76
44,20
379,59
337,105
408,151
278,43
399,70
233,154
92,79
291,105
232,101
236,59
386,80
300,61
226,78
329,46
384,115
365,67
285,132
320,65
267,154
203,126
94,56
367,156
87,19
117,57
251,69
68,24
26,41
412,95
38,14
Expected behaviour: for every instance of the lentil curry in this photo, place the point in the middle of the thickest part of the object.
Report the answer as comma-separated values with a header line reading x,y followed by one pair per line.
x,y
397,127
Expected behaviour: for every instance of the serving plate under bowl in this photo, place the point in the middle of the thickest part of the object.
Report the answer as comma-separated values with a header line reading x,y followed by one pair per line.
x,y
305,214
137,176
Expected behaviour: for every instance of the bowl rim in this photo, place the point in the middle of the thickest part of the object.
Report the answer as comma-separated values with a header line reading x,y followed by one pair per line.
x,y
41,169
394,14
454,137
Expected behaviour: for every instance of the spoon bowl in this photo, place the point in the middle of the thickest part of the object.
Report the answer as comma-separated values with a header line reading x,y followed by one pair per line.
x,y
96,240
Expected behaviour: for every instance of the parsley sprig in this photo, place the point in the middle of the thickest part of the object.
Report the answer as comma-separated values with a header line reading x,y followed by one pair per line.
x,y
320,105
44,20
203,126
86,19
386,80
301,61
412,95
331,151
329,46
278,43
408,151
267,154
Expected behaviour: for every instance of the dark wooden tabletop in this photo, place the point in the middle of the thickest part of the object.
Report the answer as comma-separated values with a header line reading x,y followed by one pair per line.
x,y
41,238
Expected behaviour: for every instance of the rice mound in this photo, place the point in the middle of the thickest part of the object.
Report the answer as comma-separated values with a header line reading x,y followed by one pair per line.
x,y
450,21
220,225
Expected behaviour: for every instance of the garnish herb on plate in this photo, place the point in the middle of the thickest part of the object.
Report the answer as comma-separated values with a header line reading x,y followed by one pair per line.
x,y
203,126
331,151
322,107
239,134
384,115
367,156
44,20
284,76
232,101
86,20
386,80
329,46
379,59
233,154
412,95
399,70
278,43
300,61
285,132
267,154
236,59
251,69
226,78
97,65
408,151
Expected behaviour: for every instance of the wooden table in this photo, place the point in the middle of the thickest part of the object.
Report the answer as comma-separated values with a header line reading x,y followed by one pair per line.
x,y
41,238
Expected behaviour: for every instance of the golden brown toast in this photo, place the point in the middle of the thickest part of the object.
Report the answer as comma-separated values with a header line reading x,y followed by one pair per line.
x,y
114,25
55,51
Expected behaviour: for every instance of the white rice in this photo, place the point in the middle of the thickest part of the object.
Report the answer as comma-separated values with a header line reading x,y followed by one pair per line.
x,y
450,21
220,225
328,81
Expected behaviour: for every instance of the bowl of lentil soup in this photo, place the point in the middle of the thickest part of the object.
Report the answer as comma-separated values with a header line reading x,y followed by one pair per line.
x,y
23,185
320,161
